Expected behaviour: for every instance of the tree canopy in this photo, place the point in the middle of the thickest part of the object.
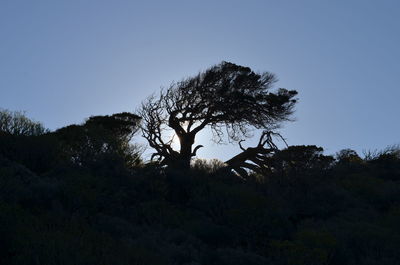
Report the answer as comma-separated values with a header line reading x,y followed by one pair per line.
x,y
100,136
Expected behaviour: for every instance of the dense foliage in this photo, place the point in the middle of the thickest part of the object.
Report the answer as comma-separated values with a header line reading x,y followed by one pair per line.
x,y
81,196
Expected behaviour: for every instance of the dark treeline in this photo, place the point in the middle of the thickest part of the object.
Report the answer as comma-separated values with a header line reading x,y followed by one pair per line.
x,y
83,195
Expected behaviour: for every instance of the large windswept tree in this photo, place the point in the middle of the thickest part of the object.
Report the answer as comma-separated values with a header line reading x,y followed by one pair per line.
x,y
229,99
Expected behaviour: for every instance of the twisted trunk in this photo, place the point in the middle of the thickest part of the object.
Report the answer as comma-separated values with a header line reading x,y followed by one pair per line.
x,y
185,152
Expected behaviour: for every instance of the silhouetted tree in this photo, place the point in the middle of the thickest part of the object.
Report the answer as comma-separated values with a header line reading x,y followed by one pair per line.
x,y
100,136
300,158
26,141
16,123
228,98
348,156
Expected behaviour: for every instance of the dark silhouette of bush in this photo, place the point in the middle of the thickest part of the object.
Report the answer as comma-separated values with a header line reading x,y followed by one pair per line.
x,y
308,213
101,138
82,195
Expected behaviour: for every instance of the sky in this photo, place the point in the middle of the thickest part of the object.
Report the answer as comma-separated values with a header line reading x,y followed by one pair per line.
x,y
63,61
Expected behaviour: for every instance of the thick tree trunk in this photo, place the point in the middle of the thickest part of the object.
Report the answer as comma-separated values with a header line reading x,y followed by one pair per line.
x,y
185,153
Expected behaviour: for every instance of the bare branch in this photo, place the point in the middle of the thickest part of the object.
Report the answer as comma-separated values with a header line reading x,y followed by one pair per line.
x,y
196,149
259,156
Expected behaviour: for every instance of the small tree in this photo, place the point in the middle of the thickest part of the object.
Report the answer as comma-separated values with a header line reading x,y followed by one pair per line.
x,y
100,137
229,99
16,123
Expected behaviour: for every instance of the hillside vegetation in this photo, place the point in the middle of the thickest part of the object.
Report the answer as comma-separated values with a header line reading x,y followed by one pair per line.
x,y
82,195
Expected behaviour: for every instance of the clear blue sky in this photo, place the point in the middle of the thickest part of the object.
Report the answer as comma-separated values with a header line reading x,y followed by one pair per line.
x,y
63,61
